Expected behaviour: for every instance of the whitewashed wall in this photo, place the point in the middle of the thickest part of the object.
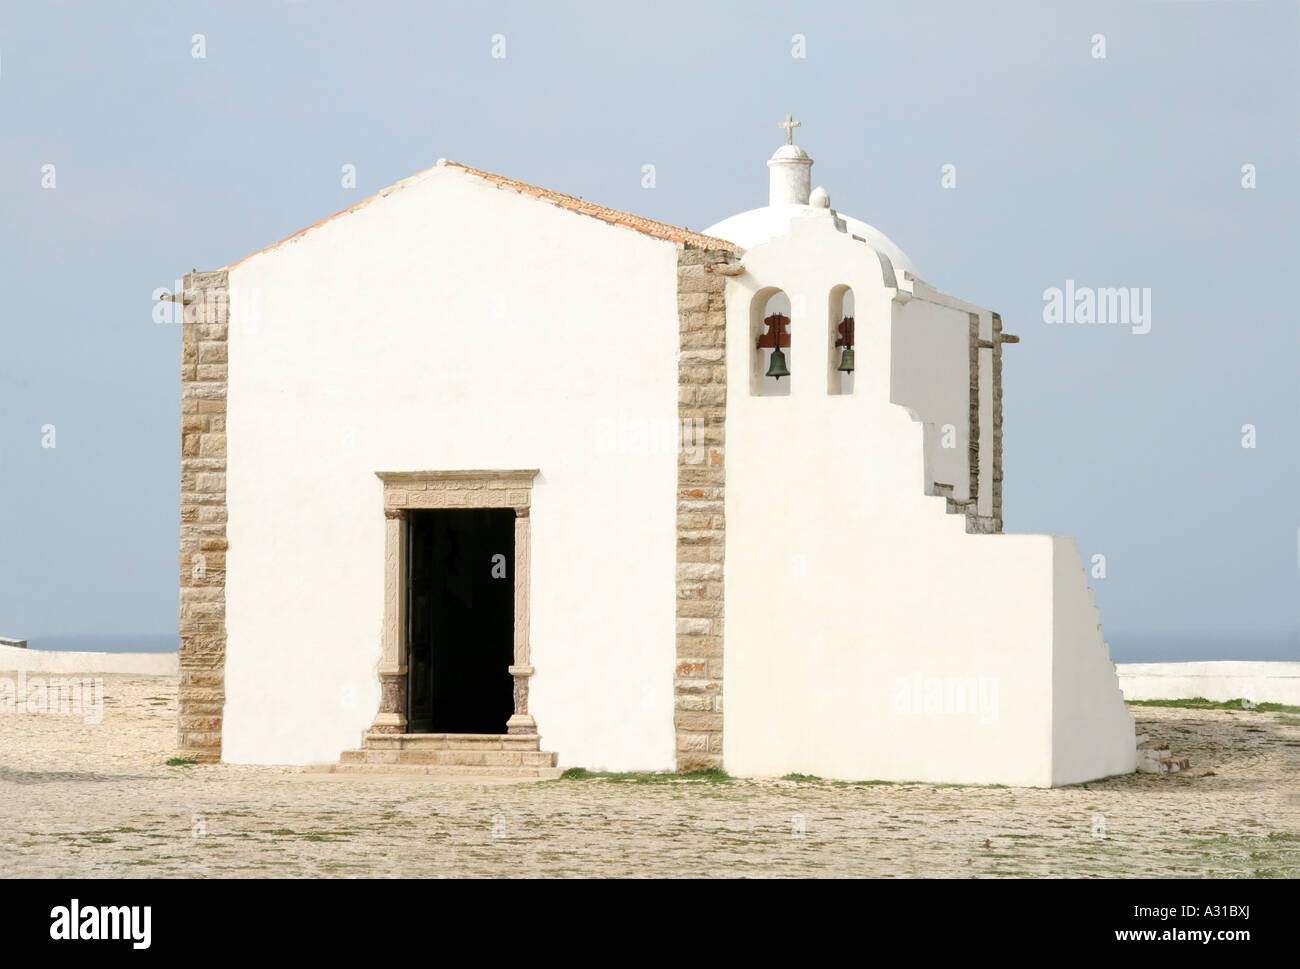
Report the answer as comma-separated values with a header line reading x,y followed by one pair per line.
x,y
66,661
451,325
1219,680
930,347
1093,734
939,309
847,588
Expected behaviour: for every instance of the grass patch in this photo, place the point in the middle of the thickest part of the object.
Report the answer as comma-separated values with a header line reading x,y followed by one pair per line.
x,y
711,775
1289,721
1264,856
802,778
180,762
1200,703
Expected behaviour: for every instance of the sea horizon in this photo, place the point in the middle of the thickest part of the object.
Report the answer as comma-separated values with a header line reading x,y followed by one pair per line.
x,y
1124,647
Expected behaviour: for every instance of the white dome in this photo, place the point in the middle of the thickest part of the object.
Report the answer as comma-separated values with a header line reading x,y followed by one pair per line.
x,y
749,229
790,153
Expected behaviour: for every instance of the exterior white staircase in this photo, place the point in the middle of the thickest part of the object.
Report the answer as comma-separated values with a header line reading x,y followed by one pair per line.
x,y
1153,757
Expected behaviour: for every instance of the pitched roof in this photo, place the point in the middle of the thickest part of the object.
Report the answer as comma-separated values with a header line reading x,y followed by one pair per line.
x,y
661,230
651,227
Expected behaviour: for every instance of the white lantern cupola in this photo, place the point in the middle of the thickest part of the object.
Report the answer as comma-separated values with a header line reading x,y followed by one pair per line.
x,y
790,196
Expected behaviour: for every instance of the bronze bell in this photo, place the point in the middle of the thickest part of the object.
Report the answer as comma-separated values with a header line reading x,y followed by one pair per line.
x,y
776,367
846,360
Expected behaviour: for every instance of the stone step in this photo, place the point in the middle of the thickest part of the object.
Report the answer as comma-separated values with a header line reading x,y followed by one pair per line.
x,y
1155,757
451,757
1171,766
451,741
445,770
1147,764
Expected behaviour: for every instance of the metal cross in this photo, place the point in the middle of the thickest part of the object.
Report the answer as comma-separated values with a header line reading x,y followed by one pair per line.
x,y
789,124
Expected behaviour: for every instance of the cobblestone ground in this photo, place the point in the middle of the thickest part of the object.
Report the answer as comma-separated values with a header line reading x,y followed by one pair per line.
x,y
98,800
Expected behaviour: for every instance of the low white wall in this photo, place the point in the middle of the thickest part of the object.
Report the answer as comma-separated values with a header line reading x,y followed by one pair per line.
x,y
59,661
1258,682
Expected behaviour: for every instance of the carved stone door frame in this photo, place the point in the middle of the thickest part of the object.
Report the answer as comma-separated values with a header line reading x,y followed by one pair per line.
x,y
405,491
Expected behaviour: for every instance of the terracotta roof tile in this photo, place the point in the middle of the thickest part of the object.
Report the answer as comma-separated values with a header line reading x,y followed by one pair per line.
x,y
662,230
651,227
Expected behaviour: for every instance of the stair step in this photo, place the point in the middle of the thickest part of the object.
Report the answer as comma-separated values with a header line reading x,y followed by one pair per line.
x,y
445,770
1155,757
451,741
453,754
451,757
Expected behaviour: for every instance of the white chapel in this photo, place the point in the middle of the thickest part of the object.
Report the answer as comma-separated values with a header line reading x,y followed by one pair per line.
x,y
482,478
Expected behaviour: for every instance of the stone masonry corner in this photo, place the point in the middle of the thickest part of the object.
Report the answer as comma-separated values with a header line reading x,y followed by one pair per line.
x,y
204,333
701,481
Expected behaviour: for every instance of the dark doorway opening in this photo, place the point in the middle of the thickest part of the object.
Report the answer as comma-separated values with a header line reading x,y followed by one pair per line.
x,y
460,620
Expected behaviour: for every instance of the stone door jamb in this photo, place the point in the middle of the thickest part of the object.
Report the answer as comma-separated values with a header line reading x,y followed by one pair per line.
x,y
405,491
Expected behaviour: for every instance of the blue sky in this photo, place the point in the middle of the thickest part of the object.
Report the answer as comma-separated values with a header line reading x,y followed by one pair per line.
x,y
1115,171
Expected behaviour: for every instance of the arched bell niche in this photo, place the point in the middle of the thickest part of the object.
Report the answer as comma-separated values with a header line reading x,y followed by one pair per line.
x,y
770,359
841,356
